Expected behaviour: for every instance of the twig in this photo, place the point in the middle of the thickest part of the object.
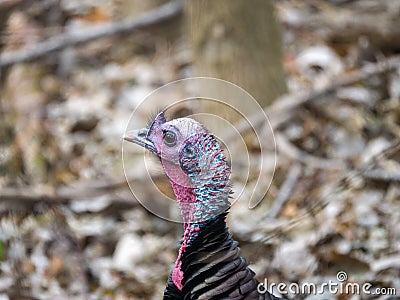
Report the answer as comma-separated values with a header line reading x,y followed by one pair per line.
x,y
114,189
349,23
316,162
158,15
381,175
343,183
18,197
285,191
384,263
389,151
286,103
366,171
26,195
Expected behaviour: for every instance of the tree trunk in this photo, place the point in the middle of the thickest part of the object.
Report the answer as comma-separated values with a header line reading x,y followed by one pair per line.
x,y
238,41
9,160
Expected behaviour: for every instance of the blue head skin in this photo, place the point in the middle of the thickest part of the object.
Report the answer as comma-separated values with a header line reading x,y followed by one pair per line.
x,y
196,167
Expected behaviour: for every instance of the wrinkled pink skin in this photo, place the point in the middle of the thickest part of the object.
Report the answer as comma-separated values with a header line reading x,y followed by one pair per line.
x,y
186,198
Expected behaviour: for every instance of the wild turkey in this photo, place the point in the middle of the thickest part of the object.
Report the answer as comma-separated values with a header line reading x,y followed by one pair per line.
x,y
209,265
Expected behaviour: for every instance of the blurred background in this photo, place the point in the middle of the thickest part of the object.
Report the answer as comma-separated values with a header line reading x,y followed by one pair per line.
x,y
326,72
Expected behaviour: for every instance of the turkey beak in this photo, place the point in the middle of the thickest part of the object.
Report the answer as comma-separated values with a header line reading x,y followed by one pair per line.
x,y
139,137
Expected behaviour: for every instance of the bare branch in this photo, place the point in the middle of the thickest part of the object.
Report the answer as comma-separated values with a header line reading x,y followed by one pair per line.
x,y
113,190
158,15
343,183
21,195
382,175
298,155
278,113
27,196
380,26
387,262
367,170
24,198
285,191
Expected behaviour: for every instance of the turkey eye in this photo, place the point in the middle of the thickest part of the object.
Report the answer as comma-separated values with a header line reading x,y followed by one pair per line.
x,y
169,138
189,151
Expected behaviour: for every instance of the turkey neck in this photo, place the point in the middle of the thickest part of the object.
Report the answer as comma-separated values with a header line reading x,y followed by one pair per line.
x,y
199,207
203,197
